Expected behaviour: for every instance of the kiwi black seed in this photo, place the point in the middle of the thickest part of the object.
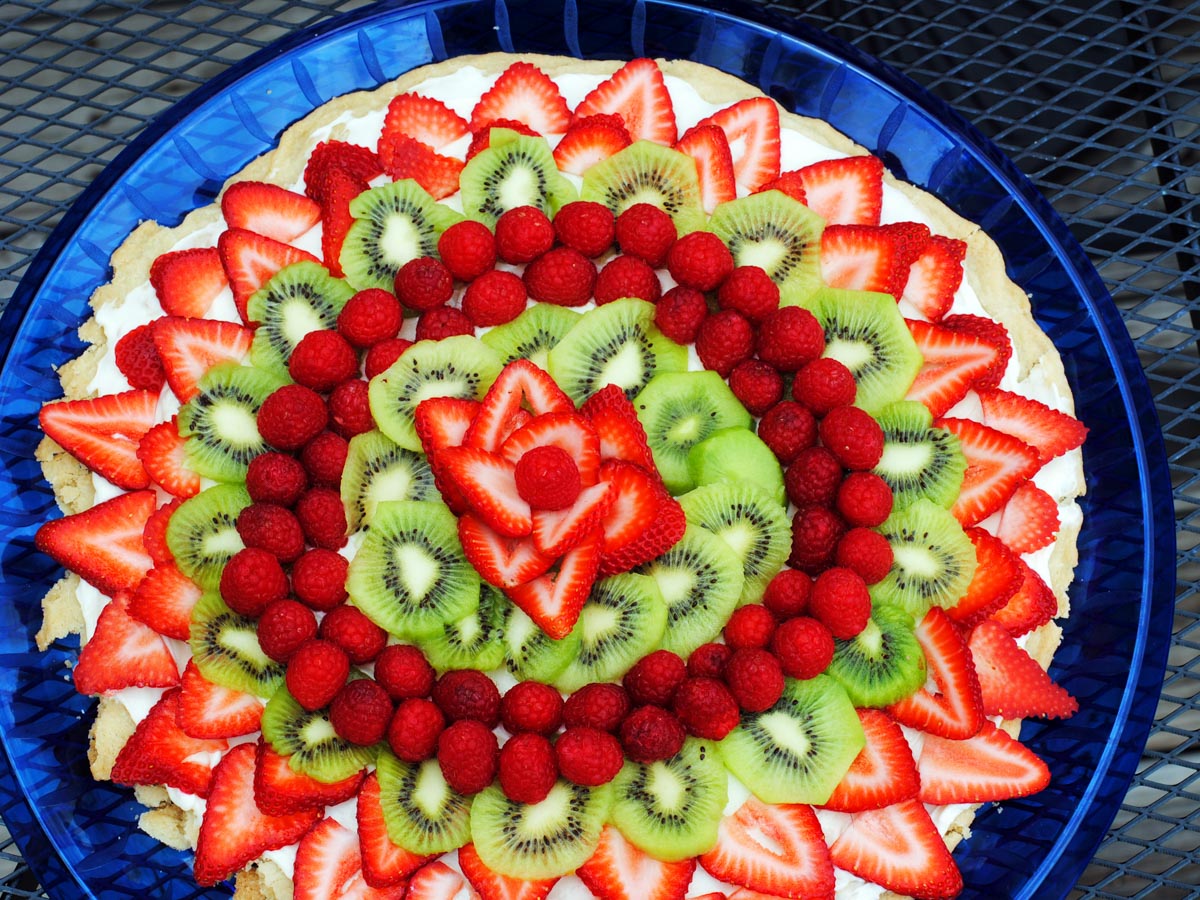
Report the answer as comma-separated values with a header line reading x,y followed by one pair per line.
x,y
918,459
202,533
225,649
220,422
299,298
422,813
514,170
933,559
884,662
377,470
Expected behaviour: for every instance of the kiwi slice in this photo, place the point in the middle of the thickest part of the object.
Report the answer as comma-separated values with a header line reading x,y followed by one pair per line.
x,y
678,411
410,575
617,343
539,840
459,366
933,559
736,454
622,620
646,172
423,814
918,459
378,470
308,738
394,223
672,808
532,334
226,650
778,234
299,299
750,521
202,533
476,641
515,170
798,750
882,663
220,422
700,579
532,655
866,332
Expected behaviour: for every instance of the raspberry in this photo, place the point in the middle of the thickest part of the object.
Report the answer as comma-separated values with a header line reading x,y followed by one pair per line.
x,y
468,694
723,340
283,627
322,517
383,354
840,600
360,712
755,679
700,260
758,386
787,594
469,756
494,298
789,337
680,313
708,660
414,730
815,533
523,234
443,322
865,551
531,706
650,733
788,429
467,249
361,638
647,232
322,360
864,499
275,478
600,705
547,478
706,708
853,437
749,626
627,276
562,276
369,317
319,579
813,478
350,409
528,768
323,459
273,528
154,534
291,417
803,646
404,672
252,579
655,677
749,290
138,359
424,283
823,384
588,756
586,226
316,672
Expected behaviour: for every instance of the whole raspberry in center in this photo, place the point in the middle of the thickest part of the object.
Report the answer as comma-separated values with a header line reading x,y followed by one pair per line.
x,y
547,478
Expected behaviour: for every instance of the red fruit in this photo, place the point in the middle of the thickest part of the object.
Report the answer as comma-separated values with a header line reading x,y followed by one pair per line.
x,y
436,881
103,433
404,157
1032,606
494,298
700,260
350,409
650,733
190,347
523,234
789,338
122,652
272,528
468,694
997,463
824,384
284,626
164,600
709,147
501,561
443,322
251,260
588,756
322,517
1012,683
1029,520
757,385
467,249
626,276
864,499
380,357
618,870
547,478
161,452
427,120
521,383
251,580
468,754
361,638
750,626
415,729
750,291
638,94
787,594
845,191
103,545
988,330
384,863
647,232
154,533
680,313
269,209
525,93
316,672
276,478
813,478
755,679
188,281
644,521
654,678
706,708
621,433
861,258
338,190
424,283
954,360
360,712
324,458
321,360
319,578
999,574
803,646
586,226
1050,432
138,360
853,437
554,601
866,552
328,859
723,340
328,156
934,276
404,672
600,705
161,752
752,128
528,769
990,765
841,602
816,531
788,429
481,138
956,710
708,660
487,481
562,276
883,773
208,710
531,706
291,417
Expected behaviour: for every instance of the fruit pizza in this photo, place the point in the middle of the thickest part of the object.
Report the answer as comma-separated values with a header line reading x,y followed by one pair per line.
x,y
545,478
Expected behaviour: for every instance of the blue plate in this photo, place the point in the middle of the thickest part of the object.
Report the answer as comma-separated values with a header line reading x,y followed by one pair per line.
x,y
80,837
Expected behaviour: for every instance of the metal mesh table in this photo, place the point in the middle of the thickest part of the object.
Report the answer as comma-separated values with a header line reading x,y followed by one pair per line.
x,y
1097,102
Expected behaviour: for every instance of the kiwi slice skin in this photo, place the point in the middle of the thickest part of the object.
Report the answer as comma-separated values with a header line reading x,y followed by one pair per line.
x,y
883,663
423,814
378,470
298,299
308,739
532,655
933,559
736,454
646,172
918,460
532,334
202,533
220,422
514,170
225,648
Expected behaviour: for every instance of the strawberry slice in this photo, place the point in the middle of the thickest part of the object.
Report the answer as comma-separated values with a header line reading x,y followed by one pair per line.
x,y
279,790
164,600
358,162
405,157
571,431
233,831
1032,606
482,139
154,534
992,332
934,277
636,92
123,652
618,870
103,433
160,752
208,710
752,129
384,864
501,561
644,521
520,382
525,93
329,864
899,848
989,766
554,601
188,281
956,712
1012,683
884,772
860,258
790,183
161,453
775,849
844,191
910,239
590,140
998,576
953,362
622,435
437,881
250,260
1050,432
269,210
1029,520
103,545
190,347
996,464
339,188
487,481
557,531
443,422
429,121
709,147
494,886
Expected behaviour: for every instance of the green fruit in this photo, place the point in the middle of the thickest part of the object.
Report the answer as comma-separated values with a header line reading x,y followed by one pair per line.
x,y
378,470
918,460
532,655
532,334
299,299
423,814
645,172
476,641
308,738
225,648
515,170
933,559
202,533
883,663
221,421
736,454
